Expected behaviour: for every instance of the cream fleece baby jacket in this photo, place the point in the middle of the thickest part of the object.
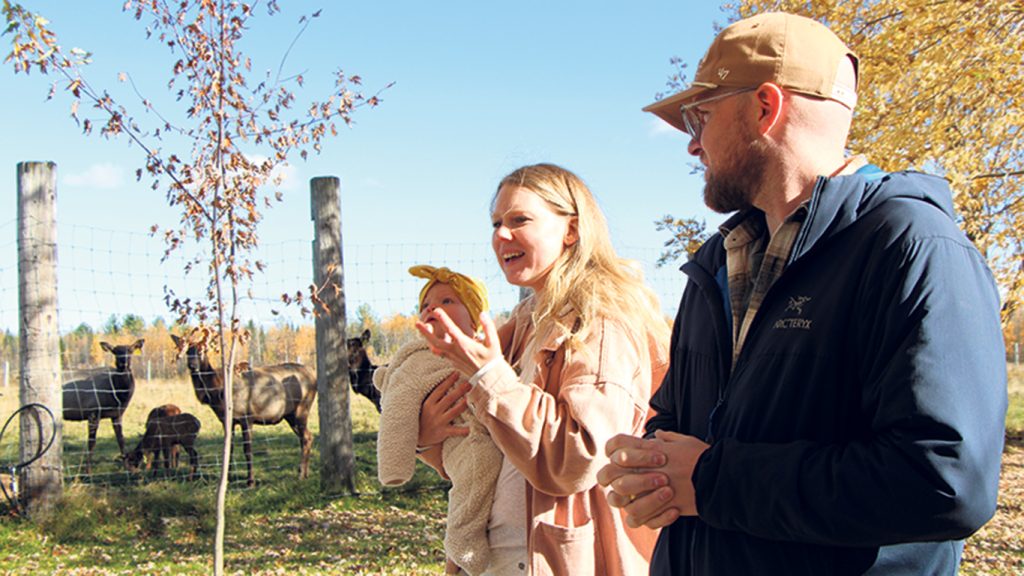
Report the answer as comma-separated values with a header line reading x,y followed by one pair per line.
x,y
472,462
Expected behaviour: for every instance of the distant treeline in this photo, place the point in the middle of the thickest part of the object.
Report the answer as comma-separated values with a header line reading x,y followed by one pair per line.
x,y
80,348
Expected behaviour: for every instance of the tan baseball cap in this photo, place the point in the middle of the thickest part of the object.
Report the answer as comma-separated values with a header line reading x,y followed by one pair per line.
x,y
792,51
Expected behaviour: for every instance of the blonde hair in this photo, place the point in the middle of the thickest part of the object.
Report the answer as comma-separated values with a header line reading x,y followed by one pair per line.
x,y
589,276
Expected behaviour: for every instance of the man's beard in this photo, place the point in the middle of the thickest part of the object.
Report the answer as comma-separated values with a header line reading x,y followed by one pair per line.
x,y
733,187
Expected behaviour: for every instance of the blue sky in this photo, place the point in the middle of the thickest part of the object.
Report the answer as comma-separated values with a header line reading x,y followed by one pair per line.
x,y
480,89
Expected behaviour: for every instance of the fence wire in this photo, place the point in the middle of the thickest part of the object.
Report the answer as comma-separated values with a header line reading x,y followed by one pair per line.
x,y
112,293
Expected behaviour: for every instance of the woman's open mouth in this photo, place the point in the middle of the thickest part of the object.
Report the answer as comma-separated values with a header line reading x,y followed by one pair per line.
x,y
510,256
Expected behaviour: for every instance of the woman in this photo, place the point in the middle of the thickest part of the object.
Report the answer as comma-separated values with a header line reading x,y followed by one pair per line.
x,y
582,354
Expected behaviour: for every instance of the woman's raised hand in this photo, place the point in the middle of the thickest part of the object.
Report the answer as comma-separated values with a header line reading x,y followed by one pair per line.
x,y
466,353
439,410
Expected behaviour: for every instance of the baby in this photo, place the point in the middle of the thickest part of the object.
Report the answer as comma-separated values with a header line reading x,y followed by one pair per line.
x,y
472,462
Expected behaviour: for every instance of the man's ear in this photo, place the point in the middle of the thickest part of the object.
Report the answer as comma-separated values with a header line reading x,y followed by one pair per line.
x,y
769,106
572,233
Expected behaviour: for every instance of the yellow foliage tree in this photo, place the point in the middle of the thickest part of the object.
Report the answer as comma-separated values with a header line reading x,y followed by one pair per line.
x,y
940,84
305,344
395,332
281,344
1013,335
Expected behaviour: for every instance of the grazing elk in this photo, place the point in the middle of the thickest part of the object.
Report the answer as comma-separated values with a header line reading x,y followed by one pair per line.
x,y
263,396
163,433
360,369
170,454
105,394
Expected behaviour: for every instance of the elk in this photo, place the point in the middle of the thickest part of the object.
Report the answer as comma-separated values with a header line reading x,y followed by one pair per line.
x,y
105,394
360,369
260,396
170,453
163,433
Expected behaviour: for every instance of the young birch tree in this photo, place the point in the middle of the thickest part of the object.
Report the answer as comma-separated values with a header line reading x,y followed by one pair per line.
x,y
939,91
204,157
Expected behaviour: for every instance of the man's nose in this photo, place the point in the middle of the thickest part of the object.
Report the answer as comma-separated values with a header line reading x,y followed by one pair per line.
x,y
694,147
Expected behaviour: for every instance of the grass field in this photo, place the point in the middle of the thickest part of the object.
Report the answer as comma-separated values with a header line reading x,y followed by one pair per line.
x,y
118,523
114,522
274,447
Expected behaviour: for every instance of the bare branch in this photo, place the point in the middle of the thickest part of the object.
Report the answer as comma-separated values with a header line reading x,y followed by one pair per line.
x,y
998,175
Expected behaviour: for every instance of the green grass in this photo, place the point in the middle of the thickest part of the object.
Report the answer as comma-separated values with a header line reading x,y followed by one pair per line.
x,y
114,522
168,528
119,523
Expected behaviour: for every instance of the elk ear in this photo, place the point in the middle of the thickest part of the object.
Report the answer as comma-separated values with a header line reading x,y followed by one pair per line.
x,y
366,335
138,343
106,347
177,341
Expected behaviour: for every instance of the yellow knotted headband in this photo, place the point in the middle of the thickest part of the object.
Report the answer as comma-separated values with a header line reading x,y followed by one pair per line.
x,y
471,292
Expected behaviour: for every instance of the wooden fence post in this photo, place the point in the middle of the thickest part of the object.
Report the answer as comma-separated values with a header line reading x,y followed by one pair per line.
x,y
41,485
337,457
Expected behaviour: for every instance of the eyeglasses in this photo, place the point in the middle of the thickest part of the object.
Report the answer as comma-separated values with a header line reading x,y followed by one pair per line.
x,y
694,119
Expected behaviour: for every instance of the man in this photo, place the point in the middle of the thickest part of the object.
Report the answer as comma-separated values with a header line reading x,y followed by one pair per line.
x,y
836,397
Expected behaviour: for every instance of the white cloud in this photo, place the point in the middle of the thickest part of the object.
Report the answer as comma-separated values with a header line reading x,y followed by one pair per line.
x,y
103,176
659,127
372,183
288,174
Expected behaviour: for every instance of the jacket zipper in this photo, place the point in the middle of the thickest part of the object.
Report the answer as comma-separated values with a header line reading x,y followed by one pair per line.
x,y
710,290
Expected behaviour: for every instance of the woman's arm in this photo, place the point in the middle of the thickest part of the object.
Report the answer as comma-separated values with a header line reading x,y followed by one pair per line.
x,y
554,428
437,415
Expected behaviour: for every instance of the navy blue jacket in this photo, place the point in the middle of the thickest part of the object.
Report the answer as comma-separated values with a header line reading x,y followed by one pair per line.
x,y
862,427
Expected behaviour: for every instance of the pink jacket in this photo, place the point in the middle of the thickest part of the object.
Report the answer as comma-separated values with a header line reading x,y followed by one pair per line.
x,y
554,431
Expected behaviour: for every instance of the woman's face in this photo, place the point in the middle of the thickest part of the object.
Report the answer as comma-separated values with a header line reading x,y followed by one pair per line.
x,y
442,296
528,236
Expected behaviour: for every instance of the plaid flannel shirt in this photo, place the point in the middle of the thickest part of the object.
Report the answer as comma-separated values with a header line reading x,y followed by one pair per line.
x,y
753,267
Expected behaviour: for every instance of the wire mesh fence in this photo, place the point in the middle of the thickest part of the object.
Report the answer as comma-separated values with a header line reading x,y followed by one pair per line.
x,y
117,353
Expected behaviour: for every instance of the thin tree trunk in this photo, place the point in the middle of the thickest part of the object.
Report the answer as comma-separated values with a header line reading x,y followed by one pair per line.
x,y
225,364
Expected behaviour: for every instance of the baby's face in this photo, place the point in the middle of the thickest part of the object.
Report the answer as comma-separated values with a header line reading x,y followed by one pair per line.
x,y
442,296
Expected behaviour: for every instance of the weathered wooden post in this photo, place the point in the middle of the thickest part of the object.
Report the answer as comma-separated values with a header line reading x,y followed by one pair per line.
x,y
40,341
337,457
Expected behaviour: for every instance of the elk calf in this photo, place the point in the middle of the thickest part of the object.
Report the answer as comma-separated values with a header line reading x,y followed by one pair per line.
x,y
170,453
164,433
